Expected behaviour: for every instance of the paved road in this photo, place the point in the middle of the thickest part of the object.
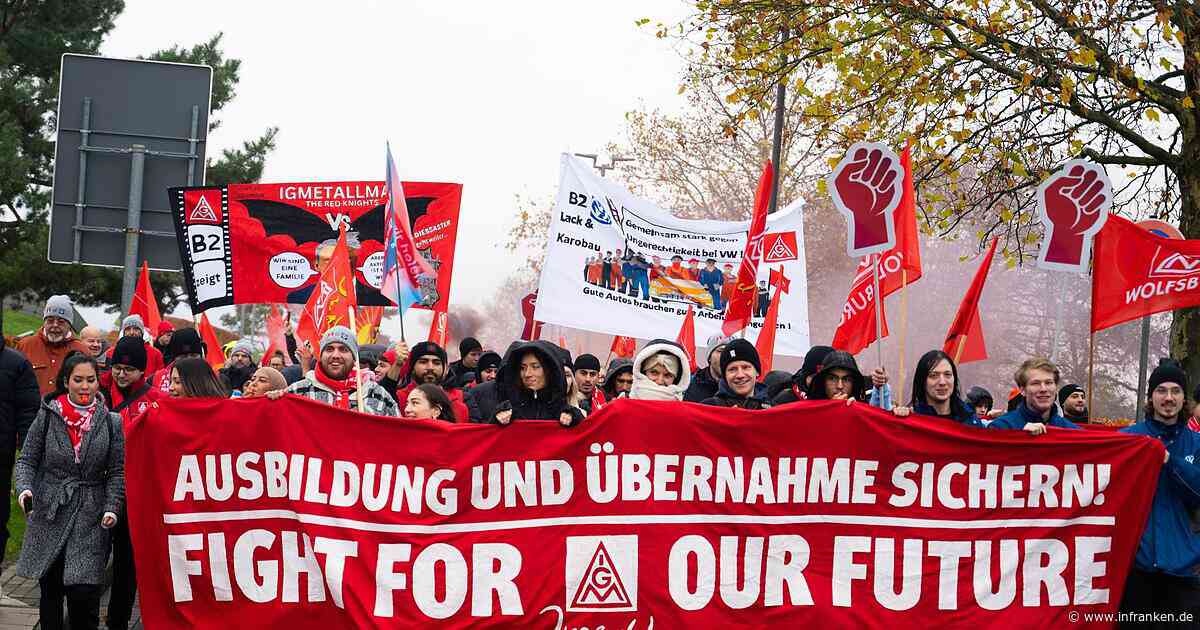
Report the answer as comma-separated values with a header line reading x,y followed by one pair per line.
x,y
18,606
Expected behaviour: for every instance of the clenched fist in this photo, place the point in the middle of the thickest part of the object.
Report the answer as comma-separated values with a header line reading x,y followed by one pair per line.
x,y
866,188
1074,204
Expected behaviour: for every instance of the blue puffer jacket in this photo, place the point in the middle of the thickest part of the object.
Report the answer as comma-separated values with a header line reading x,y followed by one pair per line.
x,y
1023,415
959,412
1168,544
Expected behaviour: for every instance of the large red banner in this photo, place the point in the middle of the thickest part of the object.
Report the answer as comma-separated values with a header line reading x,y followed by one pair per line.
x,y
267,243
291,514
1138,273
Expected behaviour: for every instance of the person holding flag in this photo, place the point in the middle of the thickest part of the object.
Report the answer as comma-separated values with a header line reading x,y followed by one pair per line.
x,y
332,382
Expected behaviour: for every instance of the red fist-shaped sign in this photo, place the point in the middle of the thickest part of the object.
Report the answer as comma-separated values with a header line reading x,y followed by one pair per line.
x,y
865,187
1073,204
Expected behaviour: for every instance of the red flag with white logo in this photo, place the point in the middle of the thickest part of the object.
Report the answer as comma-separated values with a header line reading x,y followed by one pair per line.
x,y
745,289
624,347
1154,274
857,328
332,299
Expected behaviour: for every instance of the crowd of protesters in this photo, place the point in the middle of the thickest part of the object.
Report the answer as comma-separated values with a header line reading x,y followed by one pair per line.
x,y
66,399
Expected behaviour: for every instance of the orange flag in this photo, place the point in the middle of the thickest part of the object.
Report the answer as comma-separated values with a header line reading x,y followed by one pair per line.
x,y
765,344
332,299
624,347
964,341
369,318
144,303
212,348
687,337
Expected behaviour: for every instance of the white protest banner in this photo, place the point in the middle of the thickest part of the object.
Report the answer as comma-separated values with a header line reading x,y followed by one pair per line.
x,y
618,264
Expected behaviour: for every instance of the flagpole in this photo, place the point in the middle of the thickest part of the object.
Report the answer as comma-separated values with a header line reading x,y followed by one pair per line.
x,y
903,371
878,312
357,376
962,341
1091,366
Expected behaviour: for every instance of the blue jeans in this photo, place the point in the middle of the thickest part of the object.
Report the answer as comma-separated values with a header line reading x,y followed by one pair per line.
x,y
641,282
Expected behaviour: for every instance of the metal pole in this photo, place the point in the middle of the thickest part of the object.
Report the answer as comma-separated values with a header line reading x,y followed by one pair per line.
x,y
137,167
1143,364
1058,316
81,192
878,311
777,142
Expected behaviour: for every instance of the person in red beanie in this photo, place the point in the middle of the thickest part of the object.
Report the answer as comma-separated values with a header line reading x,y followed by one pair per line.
x,y
162,340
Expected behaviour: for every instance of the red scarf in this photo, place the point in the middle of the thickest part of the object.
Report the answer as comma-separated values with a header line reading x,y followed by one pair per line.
x,y
341,389
79,421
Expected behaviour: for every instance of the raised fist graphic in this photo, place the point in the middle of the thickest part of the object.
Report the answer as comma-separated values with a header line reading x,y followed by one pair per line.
x,y
1073,204
865,187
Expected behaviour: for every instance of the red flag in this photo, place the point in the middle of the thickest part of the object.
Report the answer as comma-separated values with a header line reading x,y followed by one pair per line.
x,y
745,289
765,344
906,255
533,328
276,335
857,328
332,297
266,357
144,302
598,399
966,330
439,328
687,337
624,347
212,347
1154,274
562,341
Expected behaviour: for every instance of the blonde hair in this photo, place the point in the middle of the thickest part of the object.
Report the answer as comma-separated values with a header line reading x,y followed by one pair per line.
x,y
1035,363
665,360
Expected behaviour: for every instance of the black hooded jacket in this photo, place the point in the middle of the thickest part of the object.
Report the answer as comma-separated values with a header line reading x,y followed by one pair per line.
x,y
19,397
837,359
546,404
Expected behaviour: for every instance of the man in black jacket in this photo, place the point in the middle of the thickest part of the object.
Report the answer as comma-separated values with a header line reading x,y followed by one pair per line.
x,y
469,351
483,399
739,387
706,380
587,373
19,402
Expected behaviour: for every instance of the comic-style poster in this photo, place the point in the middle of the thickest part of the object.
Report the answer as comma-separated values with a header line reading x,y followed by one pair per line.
x,y
266,243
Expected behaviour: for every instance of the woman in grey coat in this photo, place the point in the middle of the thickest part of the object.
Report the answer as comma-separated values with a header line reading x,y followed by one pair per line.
x,y
70,480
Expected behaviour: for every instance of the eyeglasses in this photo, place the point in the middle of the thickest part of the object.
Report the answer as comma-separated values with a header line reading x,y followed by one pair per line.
x,y
124,369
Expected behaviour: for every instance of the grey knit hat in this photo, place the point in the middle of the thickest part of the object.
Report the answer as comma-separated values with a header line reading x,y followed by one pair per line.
x,y
134,321
59,306
244,345
343,335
